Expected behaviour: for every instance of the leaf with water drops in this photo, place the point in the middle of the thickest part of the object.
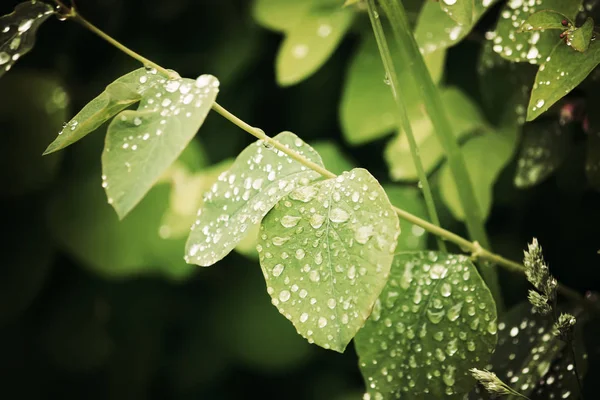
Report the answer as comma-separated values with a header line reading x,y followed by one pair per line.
x,y
367,110
465,119
18,30
243,195
530,46
544,146
436,30
580,38
464,12
562,71
310,43
485,157
117,96
530,359
545,19
280,15
142,144
434,321
325,251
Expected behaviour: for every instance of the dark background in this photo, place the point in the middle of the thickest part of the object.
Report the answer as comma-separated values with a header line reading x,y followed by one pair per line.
x,y
69,332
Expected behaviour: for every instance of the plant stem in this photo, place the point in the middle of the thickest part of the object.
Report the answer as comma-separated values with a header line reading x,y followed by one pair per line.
x,y
472,247
579,385
402,117
411,54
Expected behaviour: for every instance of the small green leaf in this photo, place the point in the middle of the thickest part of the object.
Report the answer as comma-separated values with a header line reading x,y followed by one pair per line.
x,y
485,157
465,118
436,30
544,147
280,15
545,19
119,95
309,43
529,46
367,110
563,71
326,251
18,30
242,196
412,237
434,321
580,38
141,145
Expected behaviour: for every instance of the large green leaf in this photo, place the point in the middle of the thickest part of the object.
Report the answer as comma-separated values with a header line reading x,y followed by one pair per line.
x,y
280,15
485,157
18,30
436,30
117,96
309,43
141,145
367,110
528,46
434,321
563,71
326,251
242,196
465,118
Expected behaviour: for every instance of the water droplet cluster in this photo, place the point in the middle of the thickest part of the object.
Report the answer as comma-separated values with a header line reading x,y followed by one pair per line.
x,y
434,320
259,178
325,251
17,31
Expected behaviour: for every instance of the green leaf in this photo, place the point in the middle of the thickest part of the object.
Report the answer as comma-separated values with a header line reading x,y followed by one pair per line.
x,y
545,19
85,227
119,95
464,117
485,156
580,38
18,30
434,321
280,15
530,46
436,30
326,251
563,71
333,157
412,237
141,145
242,196
367,110
309,44
35,107
462,11
544,147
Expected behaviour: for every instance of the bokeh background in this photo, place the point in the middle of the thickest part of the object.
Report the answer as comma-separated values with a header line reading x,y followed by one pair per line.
x,y
93,308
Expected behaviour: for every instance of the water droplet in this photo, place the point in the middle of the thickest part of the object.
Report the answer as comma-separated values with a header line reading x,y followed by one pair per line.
x,y
454,311
322,322
289,221
435,316
338,215
277,270
303,317
446,289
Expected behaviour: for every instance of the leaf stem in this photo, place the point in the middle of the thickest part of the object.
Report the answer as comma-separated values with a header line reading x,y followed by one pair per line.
x,y
402,116
472,247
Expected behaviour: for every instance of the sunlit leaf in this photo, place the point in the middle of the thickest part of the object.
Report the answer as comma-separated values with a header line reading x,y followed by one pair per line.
x,y
412,237
18,30
117,96
543,148
485,157
528,46
545,19
434,321
580,38
367,110
309,44
326,251
436,30
142,144
530,359
464,117
561,73
280,15
243,195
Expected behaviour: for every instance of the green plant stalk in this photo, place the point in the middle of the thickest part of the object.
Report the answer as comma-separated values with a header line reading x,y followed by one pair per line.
x,y
403,119
477,252
411,54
